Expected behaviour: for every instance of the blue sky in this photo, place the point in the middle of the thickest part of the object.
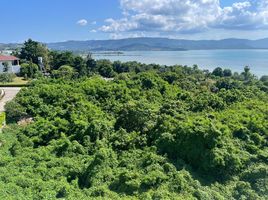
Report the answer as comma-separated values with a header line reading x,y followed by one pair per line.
x,y
61,20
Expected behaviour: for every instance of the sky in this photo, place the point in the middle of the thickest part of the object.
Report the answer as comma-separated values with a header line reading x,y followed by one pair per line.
x,y
62,20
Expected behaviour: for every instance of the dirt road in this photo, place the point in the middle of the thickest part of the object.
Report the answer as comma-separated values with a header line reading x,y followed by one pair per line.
x,y
10,93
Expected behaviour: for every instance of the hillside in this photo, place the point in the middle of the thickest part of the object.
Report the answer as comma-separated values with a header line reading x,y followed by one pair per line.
x,y
150,44
145,44
9,46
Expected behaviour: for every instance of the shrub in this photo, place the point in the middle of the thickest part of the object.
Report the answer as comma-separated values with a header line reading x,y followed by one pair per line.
x,y
29,70
64,71
7,77
14,111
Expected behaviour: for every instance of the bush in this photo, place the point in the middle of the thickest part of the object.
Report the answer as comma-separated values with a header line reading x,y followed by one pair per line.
x,y
29,70
227,72
64,71
218,72
7,77
14,111
264,79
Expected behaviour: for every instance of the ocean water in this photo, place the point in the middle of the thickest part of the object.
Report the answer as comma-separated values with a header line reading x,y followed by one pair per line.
x,y
235,60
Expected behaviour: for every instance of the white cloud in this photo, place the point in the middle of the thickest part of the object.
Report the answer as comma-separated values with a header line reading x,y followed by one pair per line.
x,y
241,5
93,23
82,22
93,31
244,16
187,16
164,15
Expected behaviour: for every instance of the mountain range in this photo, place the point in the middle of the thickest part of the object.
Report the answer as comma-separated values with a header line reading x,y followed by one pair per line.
x,y
158,44
151,44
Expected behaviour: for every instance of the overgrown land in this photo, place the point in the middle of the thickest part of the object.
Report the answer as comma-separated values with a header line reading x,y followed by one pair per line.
x,y
150,132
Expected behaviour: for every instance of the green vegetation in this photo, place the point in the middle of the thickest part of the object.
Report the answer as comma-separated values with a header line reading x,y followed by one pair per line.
x,y
31,50
7,77
29,70
2,119
153,132
14,82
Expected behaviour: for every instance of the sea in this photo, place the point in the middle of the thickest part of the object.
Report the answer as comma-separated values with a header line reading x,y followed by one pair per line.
x,y
235,60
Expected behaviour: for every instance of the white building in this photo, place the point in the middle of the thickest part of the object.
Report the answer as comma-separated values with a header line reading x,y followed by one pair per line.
x,y
12,62
6,52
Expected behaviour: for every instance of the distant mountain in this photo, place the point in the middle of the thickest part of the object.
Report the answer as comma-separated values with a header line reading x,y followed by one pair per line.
x,y
11,46
150,44
158,44
260,44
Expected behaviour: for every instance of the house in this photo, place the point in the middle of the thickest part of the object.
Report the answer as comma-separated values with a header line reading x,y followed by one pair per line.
x,y
12,62
6,52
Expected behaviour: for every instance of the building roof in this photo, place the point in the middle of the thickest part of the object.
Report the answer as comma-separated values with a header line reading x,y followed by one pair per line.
x,y
8,58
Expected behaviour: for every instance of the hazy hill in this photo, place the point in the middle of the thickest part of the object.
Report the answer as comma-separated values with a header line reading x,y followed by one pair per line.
x,y
8,46
139,44
151,44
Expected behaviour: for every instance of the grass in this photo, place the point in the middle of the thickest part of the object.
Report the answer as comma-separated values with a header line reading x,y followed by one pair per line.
x,y
2,119
18,81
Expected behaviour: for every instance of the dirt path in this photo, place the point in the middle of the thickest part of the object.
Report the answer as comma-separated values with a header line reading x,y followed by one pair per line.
x,y
10,93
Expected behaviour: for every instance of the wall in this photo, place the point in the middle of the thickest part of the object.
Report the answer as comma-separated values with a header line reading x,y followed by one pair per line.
x,y
13,69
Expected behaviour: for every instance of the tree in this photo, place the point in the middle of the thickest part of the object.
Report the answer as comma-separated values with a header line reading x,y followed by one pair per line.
x,y
29,70
227,72
218,72
195,67
105,68
264,79
31,50
134,117
246,74
58,59
64,71
117,66
80,66
91,64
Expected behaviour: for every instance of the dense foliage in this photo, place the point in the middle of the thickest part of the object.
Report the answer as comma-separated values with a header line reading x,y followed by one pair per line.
x,y
152,132
7,77
29,70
